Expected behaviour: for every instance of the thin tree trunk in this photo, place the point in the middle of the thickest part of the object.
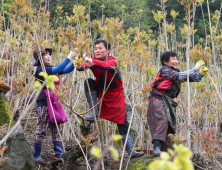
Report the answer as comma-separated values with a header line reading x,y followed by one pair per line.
x,y
188,83
213,48
205,29
164,20
194,7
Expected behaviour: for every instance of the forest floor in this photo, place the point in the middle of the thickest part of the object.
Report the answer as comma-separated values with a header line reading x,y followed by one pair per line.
x,y
48,151
109,164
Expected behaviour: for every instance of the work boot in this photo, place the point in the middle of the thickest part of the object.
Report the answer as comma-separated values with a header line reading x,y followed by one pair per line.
x,y
130,147
58,148
90,117
37,151
157,146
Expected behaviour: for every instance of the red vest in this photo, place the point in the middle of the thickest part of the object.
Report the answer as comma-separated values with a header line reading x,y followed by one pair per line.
x,y
113,103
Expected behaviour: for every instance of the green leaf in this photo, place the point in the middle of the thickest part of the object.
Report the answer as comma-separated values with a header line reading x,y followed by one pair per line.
x,y
53,78
37,85
177,163
164,156
183,151
154,165
114,153
152,71
200,1
50,85
171,166
117,137
43,74
183,157
188,165
96,152
170,151
50,80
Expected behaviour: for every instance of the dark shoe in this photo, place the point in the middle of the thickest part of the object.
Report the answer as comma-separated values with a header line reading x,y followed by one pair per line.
x,y
130,147
90,117
136,154
157,145
58,148
37,151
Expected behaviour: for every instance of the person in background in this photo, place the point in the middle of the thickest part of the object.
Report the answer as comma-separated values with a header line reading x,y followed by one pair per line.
x,y
161,113
43,122
107,81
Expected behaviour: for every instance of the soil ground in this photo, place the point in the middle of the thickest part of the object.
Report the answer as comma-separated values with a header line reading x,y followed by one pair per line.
x,y
109,163
48,151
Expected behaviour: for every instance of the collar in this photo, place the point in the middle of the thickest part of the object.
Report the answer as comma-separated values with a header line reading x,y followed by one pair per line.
x,y
176,69
109,56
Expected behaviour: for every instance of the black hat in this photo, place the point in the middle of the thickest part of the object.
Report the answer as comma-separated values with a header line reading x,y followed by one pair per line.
x,y
36,55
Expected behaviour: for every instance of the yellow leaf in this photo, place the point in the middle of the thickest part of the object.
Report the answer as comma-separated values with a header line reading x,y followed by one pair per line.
x,y
200,1
154,165
96,152
183,151
37,85
114,153
177,163
117,137
170,166
53,78
164,156
188,165
43,74
50,85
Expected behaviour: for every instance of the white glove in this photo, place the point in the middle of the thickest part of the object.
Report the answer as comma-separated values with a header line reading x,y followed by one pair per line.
x,y
88,60
199,64
84,56
71,54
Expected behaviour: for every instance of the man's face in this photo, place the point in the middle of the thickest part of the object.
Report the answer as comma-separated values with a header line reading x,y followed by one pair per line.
x,y
173,62
100,51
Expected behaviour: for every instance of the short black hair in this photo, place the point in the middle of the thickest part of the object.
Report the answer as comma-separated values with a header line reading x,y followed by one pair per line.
x,y
106,44
165,57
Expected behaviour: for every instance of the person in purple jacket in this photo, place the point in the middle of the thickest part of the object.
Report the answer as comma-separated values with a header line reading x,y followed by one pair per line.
x,y
161,113
43,122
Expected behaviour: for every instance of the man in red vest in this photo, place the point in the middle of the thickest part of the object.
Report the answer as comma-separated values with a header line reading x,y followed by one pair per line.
x,y
107,86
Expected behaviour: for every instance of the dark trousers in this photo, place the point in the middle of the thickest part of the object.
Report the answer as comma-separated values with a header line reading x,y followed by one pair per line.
x,y
123,128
